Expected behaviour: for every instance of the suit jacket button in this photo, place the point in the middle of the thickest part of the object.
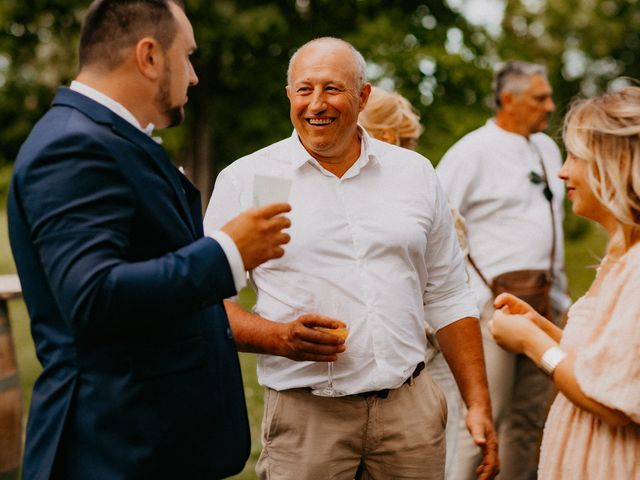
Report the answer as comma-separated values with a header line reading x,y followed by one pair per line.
x,y
229,334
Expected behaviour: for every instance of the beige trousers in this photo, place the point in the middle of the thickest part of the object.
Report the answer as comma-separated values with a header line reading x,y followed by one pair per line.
x,y
520,398
306,437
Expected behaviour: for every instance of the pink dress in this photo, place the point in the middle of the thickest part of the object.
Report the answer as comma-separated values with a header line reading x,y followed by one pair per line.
x,y
604,332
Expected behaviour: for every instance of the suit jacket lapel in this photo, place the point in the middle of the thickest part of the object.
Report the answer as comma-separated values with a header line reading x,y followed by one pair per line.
x,y
193,199
161,158
156,152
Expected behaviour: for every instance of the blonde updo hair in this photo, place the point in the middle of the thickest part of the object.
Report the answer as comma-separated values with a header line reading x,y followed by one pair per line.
x,y
605,132
390,111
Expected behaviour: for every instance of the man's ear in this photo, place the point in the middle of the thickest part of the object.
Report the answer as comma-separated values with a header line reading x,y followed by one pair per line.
x,y
149,58
506,100
365,91
288,90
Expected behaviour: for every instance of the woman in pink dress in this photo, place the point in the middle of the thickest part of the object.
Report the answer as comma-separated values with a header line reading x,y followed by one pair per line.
x,y
593,427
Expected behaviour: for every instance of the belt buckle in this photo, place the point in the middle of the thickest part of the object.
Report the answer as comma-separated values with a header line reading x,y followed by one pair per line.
x,y
384,393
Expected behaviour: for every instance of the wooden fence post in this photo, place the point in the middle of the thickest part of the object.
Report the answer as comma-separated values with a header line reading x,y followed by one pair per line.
x,y
10,393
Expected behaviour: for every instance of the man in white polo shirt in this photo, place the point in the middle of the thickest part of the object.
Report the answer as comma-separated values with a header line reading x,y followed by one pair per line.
x,y
373,245
503,179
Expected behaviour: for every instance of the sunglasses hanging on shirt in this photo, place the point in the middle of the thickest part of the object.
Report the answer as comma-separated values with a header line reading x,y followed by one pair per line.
x,y
536,179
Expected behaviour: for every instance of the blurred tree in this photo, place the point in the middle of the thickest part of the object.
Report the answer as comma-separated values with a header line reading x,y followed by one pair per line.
x,y
429,53
589,46
35,57
240,104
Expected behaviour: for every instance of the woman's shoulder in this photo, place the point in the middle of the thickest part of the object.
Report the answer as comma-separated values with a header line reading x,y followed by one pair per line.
x,y
630,261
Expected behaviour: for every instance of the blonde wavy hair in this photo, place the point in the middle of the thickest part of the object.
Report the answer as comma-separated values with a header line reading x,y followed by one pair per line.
x,y
390,112
605,132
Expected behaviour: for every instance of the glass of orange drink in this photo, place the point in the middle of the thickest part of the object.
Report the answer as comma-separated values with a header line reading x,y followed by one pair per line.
x,y
329,390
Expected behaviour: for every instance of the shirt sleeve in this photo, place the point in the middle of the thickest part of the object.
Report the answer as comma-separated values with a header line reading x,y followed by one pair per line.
x,y
233,257
447,296
454,173
608,369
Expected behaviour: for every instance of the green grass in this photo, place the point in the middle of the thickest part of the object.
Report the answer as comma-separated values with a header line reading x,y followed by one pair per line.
x,y
581,256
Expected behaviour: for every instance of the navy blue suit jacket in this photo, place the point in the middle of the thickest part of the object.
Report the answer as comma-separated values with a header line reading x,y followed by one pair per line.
x,y
141,377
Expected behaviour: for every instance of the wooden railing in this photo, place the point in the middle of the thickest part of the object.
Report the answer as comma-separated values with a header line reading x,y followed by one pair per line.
x,y
10,393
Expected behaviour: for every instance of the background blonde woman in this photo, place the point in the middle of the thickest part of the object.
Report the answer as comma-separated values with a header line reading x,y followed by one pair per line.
x,y
390,117
593,428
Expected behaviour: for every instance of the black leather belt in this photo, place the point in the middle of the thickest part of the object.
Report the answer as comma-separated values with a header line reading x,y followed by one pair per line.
x,y
385,392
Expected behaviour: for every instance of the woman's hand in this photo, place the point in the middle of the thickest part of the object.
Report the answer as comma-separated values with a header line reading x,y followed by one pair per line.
x,y
509,303
512,331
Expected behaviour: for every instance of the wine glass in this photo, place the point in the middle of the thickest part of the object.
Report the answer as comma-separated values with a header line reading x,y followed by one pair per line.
x,y
329,390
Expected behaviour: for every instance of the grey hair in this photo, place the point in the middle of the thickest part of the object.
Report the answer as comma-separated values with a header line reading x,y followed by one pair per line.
x,y
514,77
357,56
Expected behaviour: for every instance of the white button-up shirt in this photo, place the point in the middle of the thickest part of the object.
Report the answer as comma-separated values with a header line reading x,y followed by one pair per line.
x,y
375,248
486,176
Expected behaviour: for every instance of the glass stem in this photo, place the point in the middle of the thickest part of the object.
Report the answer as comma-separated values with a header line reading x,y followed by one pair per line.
x,y
330,372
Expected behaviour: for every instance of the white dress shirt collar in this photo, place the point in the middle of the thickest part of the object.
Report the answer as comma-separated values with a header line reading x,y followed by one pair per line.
x,y
109,103
506,134
300,156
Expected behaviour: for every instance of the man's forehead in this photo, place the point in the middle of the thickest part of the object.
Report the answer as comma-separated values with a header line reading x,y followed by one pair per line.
x,y
538,84
318,62
322,73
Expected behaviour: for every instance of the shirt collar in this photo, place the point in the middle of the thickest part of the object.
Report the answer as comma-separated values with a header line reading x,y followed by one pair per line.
x,y
300,155
111,104
516,137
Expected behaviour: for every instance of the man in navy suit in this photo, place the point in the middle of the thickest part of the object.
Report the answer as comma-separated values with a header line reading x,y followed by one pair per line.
x,y
140,372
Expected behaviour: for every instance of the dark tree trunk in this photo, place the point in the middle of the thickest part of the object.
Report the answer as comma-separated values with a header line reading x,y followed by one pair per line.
x,y
199,152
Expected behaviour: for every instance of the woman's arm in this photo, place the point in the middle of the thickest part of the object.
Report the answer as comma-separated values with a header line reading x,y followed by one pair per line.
x,y
518,334
515,305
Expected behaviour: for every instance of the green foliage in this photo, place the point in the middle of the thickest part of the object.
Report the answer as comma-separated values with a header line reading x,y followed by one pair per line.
x,y
5,178
34,59
574,227
429,53
588,45
425,50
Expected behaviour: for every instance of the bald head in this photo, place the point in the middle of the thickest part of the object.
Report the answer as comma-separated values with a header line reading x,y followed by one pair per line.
x,y
327,91
331,46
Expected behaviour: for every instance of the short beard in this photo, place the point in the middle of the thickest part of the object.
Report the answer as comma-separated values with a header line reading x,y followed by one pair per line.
x,y
174,114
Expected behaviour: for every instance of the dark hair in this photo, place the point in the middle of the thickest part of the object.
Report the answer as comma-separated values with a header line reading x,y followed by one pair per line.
x,y
112,26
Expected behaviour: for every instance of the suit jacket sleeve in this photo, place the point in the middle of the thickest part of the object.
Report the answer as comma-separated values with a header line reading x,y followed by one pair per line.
x,y
81,208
